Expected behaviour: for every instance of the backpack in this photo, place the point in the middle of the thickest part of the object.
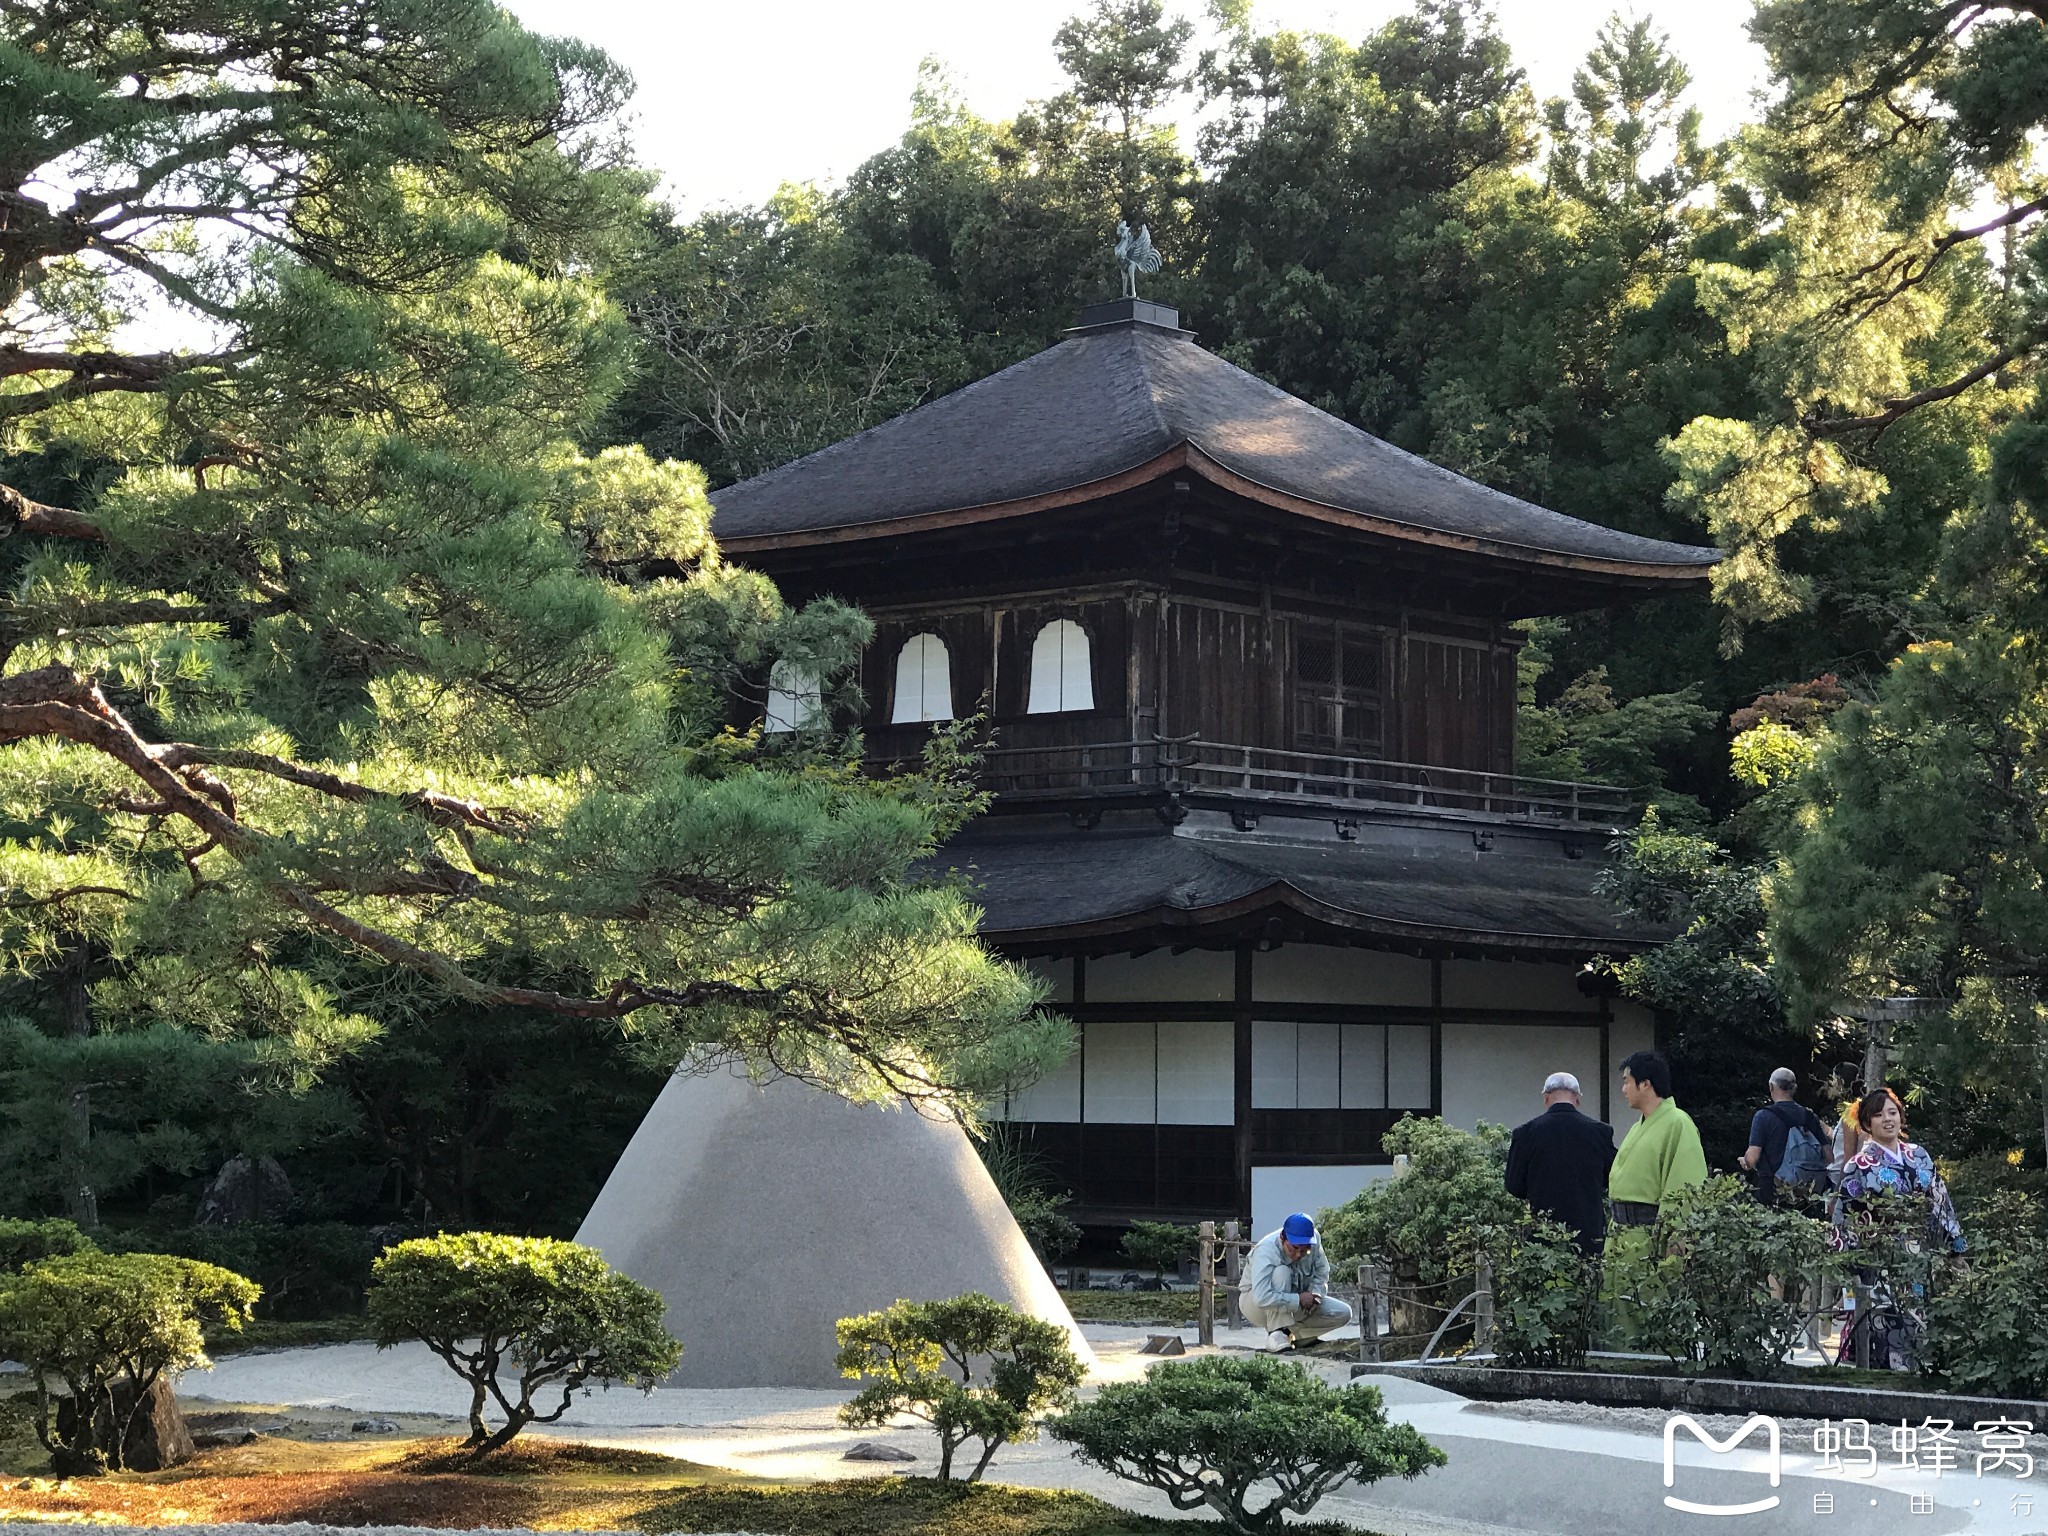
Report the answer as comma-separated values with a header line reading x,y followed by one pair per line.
x,y
1805,1162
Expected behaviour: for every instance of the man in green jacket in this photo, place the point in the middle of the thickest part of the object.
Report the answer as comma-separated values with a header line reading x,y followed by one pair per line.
x,y
1660,1155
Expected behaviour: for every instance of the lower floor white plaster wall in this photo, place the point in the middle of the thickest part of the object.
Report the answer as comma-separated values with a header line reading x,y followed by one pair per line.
x,y
1496,1071
1278,1192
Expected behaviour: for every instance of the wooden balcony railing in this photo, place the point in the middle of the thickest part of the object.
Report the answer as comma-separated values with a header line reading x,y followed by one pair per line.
x,y
1189,765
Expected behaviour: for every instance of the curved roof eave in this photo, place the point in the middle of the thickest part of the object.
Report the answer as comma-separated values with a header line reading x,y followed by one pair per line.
x,y
1284,894
1190,456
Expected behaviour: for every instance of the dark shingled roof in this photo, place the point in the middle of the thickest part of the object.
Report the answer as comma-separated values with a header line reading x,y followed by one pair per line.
x,y
1121,404
1052,884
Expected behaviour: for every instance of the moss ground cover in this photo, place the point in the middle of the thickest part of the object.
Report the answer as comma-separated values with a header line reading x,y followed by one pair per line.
x,y
901,1506
1167,1309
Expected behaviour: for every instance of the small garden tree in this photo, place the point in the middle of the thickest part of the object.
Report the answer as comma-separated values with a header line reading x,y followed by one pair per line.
x,y
923,1358
1206,1432
105,1329
553,1311
1424,1223
1159,1245
1424,1220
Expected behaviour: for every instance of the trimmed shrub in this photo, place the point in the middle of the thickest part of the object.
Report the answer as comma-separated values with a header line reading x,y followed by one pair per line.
x,y
1546,1295
554,1311
1424,1222
1701,1292
1206,1432
106,1327
970,1367
22,1243
1160,1245
1984,1317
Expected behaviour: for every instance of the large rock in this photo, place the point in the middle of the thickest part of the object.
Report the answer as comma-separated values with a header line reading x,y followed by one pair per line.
x,y
764,1214
246,1189
158,1436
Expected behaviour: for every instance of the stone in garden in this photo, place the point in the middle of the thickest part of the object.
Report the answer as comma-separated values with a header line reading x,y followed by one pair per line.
x,y
1164,1344
765,1213
158,1436
373,1427
871,1450
245,1189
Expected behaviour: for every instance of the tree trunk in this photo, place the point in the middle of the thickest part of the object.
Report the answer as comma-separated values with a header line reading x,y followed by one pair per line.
x,y
479,1432
1877,1055
81,1202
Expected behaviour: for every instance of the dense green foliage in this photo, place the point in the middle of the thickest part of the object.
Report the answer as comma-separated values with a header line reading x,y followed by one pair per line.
x,y
971,1367
365,667
346,678
1545,1295
1982,1331
23,1243
314,1269
1701,1290
1427,1220
550,1311
100,1330
1219,1433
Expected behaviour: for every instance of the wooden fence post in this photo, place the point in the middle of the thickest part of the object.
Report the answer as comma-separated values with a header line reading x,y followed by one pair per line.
x,y
1860,1320
1368,1314
1233,1269
1482,1306
1205,1274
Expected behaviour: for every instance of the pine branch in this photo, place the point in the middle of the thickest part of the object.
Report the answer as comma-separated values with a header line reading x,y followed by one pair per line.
x,y
440,809
24,514
1894,410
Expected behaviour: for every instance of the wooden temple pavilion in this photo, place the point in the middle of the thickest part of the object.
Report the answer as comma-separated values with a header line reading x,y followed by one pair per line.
x,y
1256,815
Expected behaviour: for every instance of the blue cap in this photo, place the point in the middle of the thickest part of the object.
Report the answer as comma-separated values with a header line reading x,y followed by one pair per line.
x,y
1298,1230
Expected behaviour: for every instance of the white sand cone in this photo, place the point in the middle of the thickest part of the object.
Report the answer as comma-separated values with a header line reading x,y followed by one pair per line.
x,y
764,1214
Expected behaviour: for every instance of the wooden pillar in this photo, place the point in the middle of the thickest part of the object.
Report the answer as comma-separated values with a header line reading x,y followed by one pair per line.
x,y
1241,1114
1436,1037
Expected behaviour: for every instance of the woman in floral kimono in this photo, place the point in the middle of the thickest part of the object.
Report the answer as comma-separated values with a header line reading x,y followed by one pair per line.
x,y
1888,1164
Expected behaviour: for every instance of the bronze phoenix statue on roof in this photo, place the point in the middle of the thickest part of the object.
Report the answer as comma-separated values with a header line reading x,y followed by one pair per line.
x,y
1134,254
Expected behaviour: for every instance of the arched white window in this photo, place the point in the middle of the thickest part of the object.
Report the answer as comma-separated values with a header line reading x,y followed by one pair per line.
x,y
1060,678
795,701
924,681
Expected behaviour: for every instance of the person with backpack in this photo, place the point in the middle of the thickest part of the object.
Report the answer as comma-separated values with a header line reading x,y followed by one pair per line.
x,y
1787,1144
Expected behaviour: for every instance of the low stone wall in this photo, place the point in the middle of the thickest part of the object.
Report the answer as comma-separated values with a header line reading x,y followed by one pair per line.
x,y
1782,1399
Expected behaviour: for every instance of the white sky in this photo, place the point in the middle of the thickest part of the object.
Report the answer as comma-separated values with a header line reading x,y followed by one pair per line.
x,y
739,96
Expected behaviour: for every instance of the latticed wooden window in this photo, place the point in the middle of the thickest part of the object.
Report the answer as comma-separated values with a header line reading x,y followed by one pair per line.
x,y
1337,690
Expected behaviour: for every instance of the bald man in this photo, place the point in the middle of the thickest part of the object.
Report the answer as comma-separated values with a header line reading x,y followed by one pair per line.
x,y
1558,1162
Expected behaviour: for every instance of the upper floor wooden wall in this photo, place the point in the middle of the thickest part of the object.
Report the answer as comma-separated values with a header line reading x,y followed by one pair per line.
x,y
1285,671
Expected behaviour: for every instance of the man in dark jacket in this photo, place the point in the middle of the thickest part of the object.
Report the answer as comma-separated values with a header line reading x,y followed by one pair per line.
x,y
1558,1162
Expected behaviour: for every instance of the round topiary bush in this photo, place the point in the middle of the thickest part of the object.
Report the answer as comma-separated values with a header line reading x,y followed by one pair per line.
x,y
1209,1432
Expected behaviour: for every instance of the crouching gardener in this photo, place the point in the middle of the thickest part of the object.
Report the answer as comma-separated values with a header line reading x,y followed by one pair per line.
x,y
1284,1291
